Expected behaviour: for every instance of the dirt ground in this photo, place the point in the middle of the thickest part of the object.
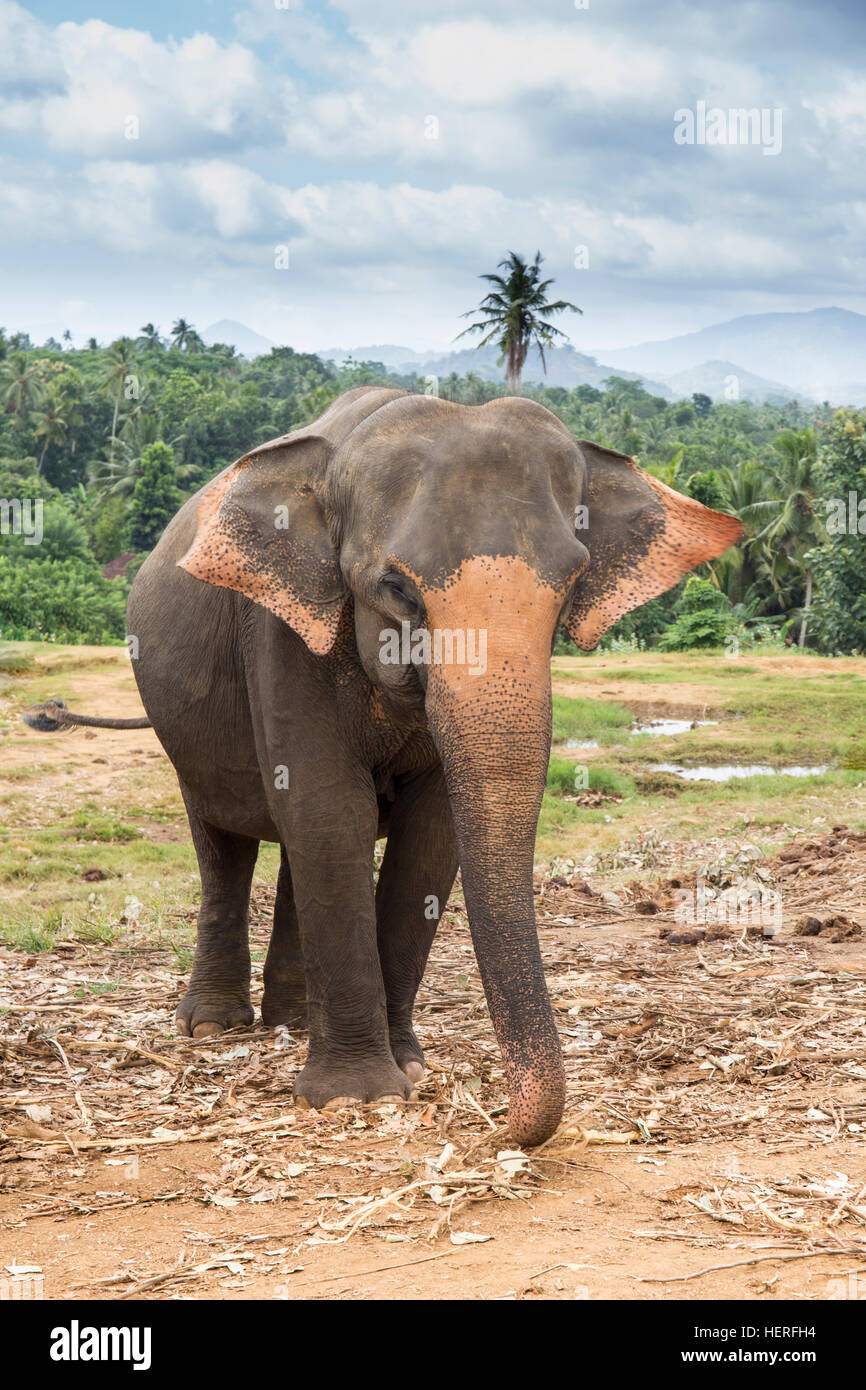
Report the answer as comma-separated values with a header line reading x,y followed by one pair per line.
x,y
716,1114
713,1144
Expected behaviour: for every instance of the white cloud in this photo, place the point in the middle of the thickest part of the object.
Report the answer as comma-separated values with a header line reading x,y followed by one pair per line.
x,y
479,63
29,58
555,129
195,96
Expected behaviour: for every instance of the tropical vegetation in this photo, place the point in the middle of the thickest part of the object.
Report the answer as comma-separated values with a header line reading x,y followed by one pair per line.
x,y
111,438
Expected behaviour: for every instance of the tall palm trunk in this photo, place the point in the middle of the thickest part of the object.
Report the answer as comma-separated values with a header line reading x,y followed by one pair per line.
x,y
801,640
117,408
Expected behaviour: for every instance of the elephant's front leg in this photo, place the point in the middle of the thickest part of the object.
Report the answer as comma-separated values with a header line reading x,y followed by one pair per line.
x,y
415,880
329,839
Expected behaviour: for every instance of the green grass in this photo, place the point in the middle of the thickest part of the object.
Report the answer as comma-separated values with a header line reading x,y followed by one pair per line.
x,y
776,709
15,663
91,824
31,933
569,778
183,956
588,719
97,987
95,933
790,710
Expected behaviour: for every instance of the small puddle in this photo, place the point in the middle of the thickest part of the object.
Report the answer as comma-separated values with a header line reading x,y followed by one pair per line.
x,y
727,774
663,728
659,728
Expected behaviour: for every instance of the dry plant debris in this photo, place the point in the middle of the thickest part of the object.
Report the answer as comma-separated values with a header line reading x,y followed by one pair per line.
x,y
746,1039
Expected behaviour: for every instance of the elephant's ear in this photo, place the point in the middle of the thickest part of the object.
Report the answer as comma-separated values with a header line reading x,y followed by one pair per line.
x,y
642,538
261,531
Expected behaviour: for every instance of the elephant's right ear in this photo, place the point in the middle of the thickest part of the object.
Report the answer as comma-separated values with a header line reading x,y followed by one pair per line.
x,y
261,531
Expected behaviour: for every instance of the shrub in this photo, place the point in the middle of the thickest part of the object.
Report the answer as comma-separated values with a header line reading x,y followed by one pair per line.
x,y
838,618
702,618
60,601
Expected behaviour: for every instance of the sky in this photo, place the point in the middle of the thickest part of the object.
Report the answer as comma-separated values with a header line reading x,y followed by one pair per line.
x,y
334,174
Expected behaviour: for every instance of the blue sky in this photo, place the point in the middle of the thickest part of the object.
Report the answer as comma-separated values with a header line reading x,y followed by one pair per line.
x,y
155,159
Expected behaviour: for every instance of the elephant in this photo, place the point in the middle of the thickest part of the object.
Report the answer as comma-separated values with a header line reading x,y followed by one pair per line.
x,y
346,635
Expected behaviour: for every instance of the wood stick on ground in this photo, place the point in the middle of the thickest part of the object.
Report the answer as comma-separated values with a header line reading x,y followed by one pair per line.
x,y
735,1264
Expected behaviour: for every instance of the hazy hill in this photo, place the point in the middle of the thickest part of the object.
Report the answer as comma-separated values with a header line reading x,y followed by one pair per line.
x,y
821,353
565,366
248,343
812,356
718,379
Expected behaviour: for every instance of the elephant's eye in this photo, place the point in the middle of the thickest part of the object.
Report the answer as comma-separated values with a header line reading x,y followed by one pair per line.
x,y
394,588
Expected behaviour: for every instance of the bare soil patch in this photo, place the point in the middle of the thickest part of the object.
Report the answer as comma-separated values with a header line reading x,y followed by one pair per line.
x,y
715,1124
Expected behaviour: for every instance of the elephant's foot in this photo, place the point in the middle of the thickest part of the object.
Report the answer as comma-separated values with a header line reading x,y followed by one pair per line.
x,y
284,1004
203,1012
408,1055
331,1086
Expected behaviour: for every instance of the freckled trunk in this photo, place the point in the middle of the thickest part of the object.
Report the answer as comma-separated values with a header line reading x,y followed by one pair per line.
x,y
494,744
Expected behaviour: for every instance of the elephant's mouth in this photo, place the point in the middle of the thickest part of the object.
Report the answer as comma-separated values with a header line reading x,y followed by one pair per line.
x,y
405,689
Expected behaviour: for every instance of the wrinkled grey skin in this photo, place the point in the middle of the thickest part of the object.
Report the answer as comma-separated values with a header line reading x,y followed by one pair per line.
x,y
392,496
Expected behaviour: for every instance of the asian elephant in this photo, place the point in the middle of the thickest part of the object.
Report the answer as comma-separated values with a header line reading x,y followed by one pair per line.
x,y
347,635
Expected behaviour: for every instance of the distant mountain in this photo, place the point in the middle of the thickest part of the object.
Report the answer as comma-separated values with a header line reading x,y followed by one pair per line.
x,y
389,354
726,381
812,356
565,366
821,353
248,343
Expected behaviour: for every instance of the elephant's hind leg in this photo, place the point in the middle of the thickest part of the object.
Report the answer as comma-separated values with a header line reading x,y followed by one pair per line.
x,y
285,998
218,996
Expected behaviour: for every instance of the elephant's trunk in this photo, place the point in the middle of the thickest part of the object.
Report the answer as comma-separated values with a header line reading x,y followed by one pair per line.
x,y
492,730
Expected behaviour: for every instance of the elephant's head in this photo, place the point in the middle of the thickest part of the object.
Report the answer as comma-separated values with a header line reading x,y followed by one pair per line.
x,y
485,528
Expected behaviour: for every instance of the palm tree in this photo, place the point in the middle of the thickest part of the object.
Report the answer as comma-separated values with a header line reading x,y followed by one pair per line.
x,y
52,421
121,356
513,314
21,386
117,474
794,525
736,572
150,336
183,335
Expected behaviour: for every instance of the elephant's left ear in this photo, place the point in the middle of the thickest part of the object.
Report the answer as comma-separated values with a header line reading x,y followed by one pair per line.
x,y
642,538
260,530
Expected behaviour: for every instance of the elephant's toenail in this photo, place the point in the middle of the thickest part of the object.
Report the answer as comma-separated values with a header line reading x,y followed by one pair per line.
x,y
206,1030
341,1103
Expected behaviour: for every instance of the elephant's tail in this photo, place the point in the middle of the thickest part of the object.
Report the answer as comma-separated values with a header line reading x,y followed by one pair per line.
x,y
53,716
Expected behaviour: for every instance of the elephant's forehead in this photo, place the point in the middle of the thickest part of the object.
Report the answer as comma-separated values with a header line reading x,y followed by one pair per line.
x,y
472,444
427,485
474,483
